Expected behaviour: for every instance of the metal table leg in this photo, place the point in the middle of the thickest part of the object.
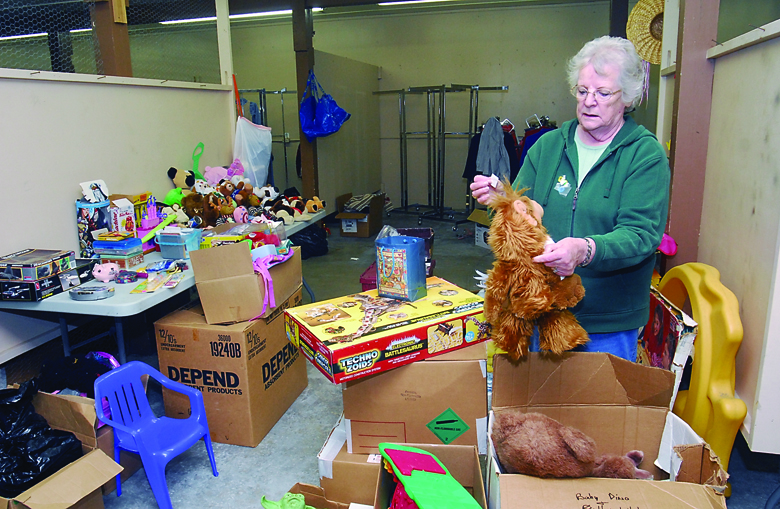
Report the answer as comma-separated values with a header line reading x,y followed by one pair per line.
x,y
120,338
64,334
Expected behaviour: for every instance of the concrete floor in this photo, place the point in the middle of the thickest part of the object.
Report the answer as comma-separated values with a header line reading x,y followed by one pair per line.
x,y
288,454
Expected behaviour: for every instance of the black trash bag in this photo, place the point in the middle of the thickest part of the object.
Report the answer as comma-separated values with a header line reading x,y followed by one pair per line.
x,y
77,373
30,451
313,241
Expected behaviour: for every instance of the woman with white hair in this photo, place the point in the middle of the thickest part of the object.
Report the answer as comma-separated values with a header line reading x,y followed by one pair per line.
x,y
602,181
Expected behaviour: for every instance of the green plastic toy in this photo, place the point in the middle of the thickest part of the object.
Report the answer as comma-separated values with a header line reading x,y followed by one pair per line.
x,y
425,479
196,160
288,501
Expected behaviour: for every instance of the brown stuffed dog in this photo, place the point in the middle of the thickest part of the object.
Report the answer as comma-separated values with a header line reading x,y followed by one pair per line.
x,y
534,444
521,292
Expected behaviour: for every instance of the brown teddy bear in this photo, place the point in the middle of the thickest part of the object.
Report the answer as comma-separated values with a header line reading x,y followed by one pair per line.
x,y
534,444
521,292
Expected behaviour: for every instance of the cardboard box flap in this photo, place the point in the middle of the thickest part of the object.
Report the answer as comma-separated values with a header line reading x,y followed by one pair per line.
x,y
69,413
315,497
72,483
351,215
480,216
537,493
229,260
700,465
193,315
578,379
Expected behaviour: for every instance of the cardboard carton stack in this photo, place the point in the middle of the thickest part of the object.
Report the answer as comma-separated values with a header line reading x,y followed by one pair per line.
x,y
417,375
232,346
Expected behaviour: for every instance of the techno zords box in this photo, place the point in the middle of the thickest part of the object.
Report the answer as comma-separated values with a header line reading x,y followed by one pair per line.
x,y
248,372
362,334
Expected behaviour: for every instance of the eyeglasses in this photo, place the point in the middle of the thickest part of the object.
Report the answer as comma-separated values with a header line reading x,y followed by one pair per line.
x,y
601,95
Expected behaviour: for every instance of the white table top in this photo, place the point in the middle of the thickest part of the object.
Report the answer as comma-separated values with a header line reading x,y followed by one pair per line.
x,y
123,303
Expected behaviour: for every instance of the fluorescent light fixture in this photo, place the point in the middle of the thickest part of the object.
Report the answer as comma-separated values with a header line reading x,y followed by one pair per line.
x,y
237,16
408,2
80,30
28,36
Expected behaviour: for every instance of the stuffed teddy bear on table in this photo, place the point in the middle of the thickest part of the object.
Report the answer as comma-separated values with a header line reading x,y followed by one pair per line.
x,y
521,293
534,444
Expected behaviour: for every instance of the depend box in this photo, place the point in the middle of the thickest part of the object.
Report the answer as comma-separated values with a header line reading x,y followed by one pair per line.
x,y
362,334
248,372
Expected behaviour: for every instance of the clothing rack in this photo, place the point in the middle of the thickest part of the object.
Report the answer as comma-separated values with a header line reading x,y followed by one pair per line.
x,y
436,136
283,138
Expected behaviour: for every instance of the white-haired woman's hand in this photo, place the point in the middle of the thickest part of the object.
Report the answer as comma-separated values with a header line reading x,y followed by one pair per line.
x,y
483,186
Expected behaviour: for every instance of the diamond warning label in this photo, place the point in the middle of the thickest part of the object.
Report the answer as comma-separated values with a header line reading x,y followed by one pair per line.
x,y
448,426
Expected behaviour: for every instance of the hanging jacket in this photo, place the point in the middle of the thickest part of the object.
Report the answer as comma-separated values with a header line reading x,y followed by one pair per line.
x,y
493,158
622,205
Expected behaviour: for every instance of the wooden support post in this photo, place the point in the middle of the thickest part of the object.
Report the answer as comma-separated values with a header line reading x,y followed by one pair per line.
x,y
618,18
303,32
698,29
109,17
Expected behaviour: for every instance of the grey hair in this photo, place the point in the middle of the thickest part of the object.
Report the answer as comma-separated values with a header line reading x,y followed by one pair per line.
x,y
616,51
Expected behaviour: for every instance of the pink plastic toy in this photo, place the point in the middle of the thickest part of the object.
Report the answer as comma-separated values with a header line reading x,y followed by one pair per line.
x,y
105,272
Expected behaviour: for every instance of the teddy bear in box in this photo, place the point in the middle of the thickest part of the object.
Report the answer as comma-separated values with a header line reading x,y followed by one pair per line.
x,y
521,293
534,444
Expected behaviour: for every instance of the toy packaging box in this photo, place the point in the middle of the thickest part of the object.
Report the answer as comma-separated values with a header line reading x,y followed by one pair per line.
x,y
34,264
33,291
122,213
362,334
622,406
248,372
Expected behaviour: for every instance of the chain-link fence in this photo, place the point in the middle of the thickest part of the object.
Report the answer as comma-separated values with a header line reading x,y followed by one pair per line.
x,y
168,39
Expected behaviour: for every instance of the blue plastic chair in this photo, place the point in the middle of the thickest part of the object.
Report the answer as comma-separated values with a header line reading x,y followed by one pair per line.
x,y
137,429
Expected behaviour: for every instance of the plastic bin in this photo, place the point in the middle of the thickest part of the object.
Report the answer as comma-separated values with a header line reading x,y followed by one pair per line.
x,y
178,246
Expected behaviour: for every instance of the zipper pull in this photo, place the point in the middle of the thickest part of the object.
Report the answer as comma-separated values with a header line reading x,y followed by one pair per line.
x,y
574,202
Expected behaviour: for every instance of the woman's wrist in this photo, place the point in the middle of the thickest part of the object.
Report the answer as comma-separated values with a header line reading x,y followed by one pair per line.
x,y
589,252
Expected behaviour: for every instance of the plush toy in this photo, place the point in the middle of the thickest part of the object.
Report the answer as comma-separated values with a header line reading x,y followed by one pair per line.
x,y
183,180
534,444
521,292
244,196
105,272
211,209
193,205
214,174
267,194
182,218
314,205
235,169
202,187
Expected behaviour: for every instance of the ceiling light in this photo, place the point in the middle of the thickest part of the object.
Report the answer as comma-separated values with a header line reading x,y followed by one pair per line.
x,y
236,16
408,2
28,36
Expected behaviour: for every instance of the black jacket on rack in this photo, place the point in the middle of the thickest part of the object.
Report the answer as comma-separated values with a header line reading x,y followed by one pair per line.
x,y
471,159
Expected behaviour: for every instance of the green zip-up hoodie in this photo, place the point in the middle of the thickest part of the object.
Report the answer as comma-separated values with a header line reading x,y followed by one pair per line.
x,y
622,205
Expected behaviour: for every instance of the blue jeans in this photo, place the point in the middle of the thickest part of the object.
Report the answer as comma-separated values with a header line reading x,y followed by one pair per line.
x,y
621,344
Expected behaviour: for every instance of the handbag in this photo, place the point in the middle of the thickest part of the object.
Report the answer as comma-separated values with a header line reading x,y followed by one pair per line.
x,y
319,113
400,267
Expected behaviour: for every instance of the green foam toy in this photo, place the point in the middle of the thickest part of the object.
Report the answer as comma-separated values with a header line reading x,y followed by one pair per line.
x,y
425,479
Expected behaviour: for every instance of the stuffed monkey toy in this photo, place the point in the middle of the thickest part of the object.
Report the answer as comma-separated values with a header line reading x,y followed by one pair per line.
x,y
521,292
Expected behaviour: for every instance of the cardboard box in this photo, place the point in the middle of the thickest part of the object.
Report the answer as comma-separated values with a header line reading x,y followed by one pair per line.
x,y
34,291
461,461
352,478
361,224
433,401
139,202
622,406
35,264
77,415
314,496
76,486
248,372
347,477
122,215
481,227
229,289
340,339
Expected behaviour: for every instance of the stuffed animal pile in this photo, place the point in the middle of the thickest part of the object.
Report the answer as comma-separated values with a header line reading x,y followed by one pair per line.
x,y
534,444
521,293
225,195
